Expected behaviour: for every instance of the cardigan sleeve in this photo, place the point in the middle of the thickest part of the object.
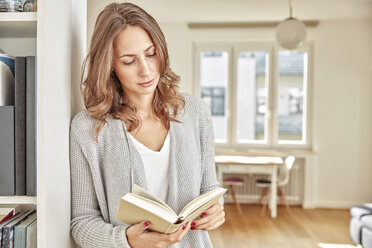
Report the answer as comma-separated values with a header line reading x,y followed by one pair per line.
x,y
209,179
88,228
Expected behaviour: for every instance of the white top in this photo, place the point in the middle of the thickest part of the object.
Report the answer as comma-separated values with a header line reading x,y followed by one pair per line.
x,y
156,166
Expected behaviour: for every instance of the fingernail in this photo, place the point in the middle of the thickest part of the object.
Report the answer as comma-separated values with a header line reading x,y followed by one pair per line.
x,y
183,227
146,223
192,228
192,223
204,214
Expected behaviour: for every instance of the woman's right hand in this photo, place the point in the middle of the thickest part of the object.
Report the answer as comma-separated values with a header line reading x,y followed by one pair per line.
x,y
139,237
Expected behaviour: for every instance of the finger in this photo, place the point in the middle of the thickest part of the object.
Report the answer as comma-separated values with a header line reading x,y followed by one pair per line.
x,y
202,221
215,226
215,222
173,237
208,217
212,210
184,229
181,231
140,227
209,221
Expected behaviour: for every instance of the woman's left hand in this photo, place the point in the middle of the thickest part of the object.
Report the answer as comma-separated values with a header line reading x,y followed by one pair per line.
x,y
211,219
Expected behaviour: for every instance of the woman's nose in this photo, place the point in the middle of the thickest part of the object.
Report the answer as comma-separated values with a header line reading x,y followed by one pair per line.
x,y
144,68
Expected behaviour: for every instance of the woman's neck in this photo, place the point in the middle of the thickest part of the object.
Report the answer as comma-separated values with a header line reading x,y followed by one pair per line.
x,y
143,105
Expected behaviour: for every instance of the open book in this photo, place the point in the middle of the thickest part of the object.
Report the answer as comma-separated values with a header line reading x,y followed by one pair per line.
x,y
141,205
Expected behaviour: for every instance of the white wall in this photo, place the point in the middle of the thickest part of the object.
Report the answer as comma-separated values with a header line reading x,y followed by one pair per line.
x,y
60,48
53,120
342,85
343,112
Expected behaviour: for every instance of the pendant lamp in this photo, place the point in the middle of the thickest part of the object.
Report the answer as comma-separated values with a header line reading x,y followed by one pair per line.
x,y
291,32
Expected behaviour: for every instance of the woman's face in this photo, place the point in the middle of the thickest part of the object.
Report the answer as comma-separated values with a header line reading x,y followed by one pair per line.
x,y
136,62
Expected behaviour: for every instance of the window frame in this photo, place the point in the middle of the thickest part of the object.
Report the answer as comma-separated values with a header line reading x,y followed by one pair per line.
x,y
220,47
271,135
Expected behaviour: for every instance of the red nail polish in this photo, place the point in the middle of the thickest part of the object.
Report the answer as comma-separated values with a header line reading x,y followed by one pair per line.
x,y
204,214
146,223
192,228
183,227
192,223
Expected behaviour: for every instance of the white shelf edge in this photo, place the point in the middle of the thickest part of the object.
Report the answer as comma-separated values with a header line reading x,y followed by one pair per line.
x,y
18,16
18,200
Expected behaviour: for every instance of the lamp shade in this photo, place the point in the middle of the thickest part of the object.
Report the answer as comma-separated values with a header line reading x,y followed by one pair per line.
x,y
291,33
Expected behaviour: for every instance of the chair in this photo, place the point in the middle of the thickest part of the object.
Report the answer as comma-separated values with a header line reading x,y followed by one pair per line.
x,y
230,183
361,225
283,179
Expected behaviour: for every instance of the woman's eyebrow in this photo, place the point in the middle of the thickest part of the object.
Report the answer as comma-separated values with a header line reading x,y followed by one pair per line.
x,y
132,55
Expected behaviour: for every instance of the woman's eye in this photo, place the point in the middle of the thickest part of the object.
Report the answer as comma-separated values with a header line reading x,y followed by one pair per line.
x,y
128,63
151,55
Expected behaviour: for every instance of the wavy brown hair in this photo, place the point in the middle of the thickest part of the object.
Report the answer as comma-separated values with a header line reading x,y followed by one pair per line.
x,y
102,92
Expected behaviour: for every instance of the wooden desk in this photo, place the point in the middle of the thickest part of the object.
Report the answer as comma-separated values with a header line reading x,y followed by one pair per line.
x,y
250,164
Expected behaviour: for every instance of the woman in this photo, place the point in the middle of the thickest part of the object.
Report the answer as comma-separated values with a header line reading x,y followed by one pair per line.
x,y
137,129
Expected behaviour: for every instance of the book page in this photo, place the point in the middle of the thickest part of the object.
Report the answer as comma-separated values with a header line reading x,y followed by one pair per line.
x,y
151,206
200,201
137,190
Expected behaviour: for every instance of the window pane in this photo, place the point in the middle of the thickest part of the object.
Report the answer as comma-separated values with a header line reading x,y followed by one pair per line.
x,y
291,95
251,96
213,78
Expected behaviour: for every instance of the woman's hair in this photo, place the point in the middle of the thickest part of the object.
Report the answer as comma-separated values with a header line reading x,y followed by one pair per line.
x,y
102,92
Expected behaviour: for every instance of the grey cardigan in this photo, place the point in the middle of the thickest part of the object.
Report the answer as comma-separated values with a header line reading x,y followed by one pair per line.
x,y
103,172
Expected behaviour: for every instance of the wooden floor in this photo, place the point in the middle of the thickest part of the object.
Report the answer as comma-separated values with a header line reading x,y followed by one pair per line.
x,y
303,228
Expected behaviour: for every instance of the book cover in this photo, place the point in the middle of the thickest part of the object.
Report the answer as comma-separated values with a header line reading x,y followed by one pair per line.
x,y
2,225
7,169
20,231
8,229
31,240
4,217
31,125
6,80
141,205
20,124
8,211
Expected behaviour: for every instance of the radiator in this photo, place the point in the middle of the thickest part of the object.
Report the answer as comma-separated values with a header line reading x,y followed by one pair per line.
x,y
249,193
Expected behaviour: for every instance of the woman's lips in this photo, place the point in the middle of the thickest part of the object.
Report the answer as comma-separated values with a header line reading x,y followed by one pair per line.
x,y
147,84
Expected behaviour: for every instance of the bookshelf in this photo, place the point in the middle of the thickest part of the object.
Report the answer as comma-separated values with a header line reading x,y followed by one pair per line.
x,y
56,34
18,25
18,30
18,200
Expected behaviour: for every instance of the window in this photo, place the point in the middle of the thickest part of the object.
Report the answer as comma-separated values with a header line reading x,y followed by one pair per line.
x,y
258,93
215,97
213,80
251,97
291,92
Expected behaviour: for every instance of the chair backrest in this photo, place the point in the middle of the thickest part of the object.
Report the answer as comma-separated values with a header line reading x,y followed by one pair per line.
x,y
283,177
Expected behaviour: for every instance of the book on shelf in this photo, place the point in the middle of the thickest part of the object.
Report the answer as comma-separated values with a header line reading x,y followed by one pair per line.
x,y
7,228
8,211
141,205
5,217
7,175
20,231
31,237
31,125
20,124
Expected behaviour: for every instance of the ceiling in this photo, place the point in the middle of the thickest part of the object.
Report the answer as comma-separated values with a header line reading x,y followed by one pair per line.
x,y
247,10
